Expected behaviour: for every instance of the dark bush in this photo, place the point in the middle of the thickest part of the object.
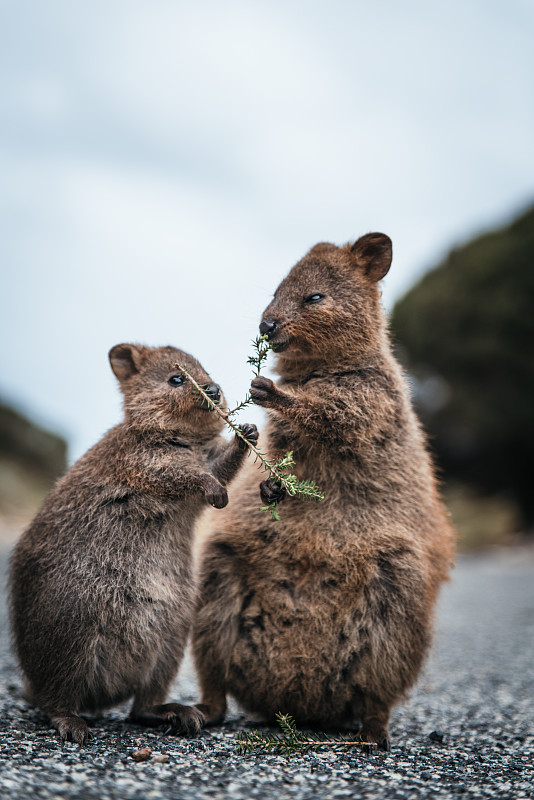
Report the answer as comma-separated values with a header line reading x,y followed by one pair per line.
x,y
466,332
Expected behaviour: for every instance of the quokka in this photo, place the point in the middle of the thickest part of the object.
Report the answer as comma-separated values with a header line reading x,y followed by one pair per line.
x,y
101,583
327,614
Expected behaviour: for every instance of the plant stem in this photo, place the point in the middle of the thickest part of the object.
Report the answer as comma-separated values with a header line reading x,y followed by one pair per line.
x,y
278,468
262,347
268,465
292,740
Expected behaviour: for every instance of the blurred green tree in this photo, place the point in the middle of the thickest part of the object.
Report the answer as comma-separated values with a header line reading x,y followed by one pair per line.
x,y
31,458
466,335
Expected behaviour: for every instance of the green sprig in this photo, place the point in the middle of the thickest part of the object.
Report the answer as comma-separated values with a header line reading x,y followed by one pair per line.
x,y
262,347
279,469
291,740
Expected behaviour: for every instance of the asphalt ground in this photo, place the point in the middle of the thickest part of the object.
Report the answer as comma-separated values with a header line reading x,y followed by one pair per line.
x,y
467,730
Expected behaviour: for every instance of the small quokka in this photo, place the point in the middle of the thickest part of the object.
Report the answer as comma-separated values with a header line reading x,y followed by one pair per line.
x,y
101,583
327,614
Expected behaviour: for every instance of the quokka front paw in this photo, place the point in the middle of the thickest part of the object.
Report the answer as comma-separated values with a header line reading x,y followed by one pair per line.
x,y
265,393
272,492
215,494
251,434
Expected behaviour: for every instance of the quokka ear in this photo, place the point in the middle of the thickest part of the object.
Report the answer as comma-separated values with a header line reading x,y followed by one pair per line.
x,y
373,254
125,360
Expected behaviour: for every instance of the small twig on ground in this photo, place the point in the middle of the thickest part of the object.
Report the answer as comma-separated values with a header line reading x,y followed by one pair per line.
x,y
291,740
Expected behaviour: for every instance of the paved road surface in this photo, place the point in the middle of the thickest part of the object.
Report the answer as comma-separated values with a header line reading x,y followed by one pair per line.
x,y
477,691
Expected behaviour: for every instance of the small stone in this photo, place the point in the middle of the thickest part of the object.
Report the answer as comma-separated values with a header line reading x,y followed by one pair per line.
x,y
160,758
143,754
436,736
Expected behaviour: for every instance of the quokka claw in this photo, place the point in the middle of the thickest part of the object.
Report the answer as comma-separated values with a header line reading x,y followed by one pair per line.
x,y
271,491
250,432
73,729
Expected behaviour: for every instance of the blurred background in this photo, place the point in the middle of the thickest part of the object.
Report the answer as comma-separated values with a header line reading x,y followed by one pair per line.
x,y
163,164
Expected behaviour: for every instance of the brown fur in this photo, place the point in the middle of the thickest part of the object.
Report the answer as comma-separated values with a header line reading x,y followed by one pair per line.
x,y
101,582
327,614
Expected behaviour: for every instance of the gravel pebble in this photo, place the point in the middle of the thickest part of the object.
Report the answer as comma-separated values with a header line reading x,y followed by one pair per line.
x,y
142,755
466,731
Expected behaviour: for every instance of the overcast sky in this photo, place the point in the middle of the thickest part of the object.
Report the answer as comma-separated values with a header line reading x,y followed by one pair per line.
x,y
163,164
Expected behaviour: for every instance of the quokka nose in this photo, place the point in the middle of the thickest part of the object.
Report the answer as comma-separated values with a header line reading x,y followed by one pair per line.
x,y
267,326
213,391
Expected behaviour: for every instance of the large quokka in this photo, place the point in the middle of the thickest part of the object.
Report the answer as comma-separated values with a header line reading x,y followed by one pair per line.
x,y
327,614
101,582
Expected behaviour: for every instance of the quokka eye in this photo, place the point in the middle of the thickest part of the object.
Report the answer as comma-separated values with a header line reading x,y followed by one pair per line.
x,y
313,298
176,380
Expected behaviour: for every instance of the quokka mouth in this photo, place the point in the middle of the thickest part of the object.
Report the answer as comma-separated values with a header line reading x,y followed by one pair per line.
x,y
279,347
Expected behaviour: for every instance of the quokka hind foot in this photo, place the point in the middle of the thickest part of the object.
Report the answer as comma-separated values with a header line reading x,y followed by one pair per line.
x,y
211,714
374,733
178,719
72,728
